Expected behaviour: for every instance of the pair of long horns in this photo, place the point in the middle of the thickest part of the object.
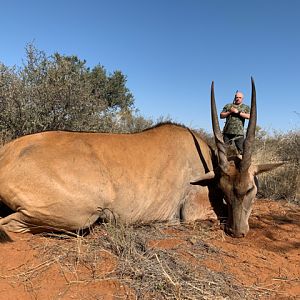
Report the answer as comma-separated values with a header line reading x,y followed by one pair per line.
x,y
250,136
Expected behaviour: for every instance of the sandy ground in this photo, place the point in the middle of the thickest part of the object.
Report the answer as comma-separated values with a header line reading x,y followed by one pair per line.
x,y
266,262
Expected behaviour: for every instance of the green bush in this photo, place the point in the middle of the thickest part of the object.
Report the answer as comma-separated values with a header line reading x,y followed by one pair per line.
x,y
61,93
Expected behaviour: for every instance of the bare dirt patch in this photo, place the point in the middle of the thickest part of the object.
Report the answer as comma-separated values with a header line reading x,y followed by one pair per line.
x,y
159,261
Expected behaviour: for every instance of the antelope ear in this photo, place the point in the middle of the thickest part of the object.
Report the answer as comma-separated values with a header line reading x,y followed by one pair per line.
x,y
206,176
266,167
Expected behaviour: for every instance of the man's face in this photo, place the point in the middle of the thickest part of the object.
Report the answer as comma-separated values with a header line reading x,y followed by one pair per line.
x,y
238,98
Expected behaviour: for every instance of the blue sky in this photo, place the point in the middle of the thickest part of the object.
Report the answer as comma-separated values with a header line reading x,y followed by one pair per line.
x,y
171,50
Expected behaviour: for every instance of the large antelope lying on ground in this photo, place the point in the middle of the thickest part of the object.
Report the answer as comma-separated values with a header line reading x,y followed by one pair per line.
x,y
67,180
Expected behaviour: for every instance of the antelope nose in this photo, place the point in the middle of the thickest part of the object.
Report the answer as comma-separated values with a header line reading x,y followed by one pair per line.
x,y
239,235
234,233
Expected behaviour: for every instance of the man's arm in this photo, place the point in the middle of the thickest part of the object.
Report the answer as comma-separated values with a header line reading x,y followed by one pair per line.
x,y
244,115
224,114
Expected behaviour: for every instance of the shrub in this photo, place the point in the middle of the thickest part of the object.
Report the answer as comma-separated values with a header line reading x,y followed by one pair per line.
x,y
61,93
284,181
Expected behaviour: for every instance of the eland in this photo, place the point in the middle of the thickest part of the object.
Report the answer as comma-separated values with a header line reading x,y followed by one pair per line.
x,y
61,180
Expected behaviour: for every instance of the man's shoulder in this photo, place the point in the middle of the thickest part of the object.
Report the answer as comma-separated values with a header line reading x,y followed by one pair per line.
x,y
227,106
245,106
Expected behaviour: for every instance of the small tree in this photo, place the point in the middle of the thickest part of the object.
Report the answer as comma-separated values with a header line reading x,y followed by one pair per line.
x,y
61,93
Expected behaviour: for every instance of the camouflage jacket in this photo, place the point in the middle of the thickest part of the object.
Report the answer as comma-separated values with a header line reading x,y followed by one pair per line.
x,y
235,123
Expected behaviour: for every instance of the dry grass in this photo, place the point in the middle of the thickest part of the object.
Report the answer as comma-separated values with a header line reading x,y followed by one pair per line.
x,y
284,182
126,254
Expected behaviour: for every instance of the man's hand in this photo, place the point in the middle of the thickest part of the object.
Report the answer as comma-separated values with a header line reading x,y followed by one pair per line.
x,y
233,110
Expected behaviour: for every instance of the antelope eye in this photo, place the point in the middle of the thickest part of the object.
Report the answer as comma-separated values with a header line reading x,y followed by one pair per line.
x,y
250,190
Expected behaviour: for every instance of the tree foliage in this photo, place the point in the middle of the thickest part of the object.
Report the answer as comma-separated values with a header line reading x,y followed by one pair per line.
x,y
61,93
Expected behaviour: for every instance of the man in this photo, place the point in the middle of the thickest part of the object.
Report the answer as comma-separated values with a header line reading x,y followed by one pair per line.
x,y
235,114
